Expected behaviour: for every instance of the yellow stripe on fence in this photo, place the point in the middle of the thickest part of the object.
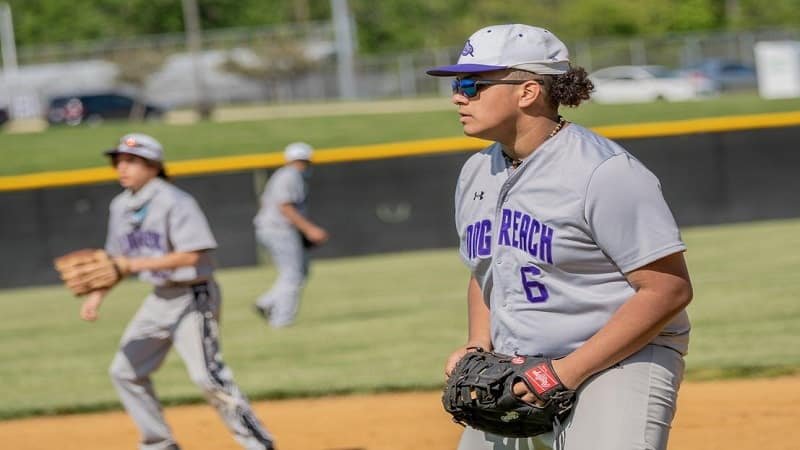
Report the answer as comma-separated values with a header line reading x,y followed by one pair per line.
x,y
245,162
695,126
395,150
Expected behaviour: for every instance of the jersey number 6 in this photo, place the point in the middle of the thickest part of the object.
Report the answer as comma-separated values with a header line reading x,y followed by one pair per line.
x,y
534,290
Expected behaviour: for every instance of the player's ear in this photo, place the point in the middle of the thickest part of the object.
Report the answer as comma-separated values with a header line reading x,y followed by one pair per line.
x,y
529,92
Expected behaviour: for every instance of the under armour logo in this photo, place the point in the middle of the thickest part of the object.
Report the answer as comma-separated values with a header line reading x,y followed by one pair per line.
x,y
477,195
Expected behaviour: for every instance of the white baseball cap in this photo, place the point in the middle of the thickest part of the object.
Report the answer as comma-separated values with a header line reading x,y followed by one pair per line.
x,y
511,46
298,151
140,145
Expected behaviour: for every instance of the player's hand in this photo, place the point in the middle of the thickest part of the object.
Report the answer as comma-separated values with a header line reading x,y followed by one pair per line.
x,y
91,306
456,356
317,235
124,265
521,390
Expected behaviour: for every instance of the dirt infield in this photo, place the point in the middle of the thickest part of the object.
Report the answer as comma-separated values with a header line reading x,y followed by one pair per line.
x,y
741,414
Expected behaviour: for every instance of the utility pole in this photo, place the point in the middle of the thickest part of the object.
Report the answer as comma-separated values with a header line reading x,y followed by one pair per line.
x,y
191,22
9,45
300,8
345,43
732,13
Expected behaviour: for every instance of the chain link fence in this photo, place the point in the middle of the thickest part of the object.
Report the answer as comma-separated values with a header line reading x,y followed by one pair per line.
x,y
297,63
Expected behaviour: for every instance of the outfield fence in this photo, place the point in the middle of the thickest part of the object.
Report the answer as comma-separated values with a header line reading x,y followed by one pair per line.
x,y
398,196
293,63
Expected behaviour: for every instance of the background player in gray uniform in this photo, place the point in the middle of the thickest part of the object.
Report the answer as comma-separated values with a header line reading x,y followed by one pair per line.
x,y
282,227
165,238
573,251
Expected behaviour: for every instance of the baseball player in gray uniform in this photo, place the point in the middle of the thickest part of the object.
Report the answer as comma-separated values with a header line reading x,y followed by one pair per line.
x,y
163,236
573,251
282,227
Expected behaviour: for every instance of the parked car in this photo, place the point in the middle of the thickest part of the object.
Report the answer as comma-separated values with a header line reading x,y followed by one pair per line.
x,y
635,84
728,75
94,108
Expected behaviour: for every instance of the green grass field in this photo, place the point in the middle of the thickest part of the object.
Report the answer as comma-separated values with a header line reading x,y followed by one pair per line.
x,y
386,322
61,148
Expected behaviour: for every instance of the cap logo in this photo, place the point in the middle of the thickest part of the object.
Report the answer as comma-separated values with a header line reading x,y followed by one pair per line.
x,y
468,49
130,142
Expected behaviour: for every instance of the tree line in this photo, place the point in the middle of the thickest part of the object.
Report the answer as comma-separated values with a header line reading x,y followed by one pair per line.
x,y
399,25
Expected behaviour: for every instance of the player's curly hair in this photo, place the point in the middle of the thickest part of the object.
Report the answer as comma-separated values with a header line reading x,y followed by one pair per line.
x,y
568,89
571,88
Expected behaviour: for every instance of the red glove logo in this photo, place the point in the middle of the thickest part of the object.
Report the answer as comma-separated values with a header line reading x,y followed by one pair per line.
x,y
541,378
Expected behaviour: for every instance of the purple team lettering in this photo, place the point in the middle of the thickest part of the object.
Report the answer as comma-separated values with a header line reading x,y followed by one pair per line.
x,y
518,230
140,239
523,231
479,239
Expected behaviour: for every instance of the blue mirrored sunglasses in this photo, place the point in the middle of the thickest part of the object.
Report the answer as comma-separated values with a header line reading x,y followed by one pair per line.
x,y
469,87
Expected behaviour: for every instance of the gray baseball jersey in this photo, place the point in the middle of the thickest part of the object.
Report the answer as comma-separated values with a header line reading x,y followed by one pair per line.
x,y
159,219
284,242
286,185
551,241
182,312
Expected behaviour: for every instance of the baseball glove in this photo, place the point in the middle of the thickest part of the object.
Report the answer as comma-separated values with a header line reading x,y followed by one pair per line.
x,y
479,393
89,269
307,243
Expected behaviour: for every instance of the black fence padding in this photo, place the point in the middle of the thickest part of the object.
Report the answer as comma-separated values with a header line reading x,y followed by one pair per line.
x,y
386,205
406,203
229,201
726,177
40,224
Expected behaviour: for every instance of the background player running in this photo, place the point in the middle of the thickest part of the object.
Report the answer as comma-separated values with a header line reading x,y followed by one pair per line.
x,y
283,228
574,253
161,234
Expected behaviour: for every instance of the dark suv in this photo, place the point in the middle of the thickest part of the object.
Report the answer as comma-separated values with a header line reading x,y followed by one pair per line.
x,y
94,108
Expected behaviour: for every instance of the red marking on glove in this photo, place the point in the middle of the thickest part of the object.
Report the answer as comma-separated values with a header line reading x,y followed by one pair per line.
x,y
541,378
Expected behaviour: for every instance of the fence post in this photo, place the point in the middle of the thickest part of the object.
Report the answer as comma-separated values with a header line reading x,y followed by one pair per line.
x,y
583,55
747,42
194,42
343,32
406,75
691,51
441,58
638,52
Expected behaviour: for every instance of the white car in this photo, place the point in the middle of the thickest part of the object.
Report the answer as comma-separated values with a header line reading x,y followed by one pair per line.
x,y
636,84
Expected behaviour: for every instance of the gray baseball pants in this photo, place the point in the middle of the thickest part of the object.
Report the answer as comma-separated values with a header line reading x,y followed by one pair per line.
x,y
185,318
291,261
629,406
